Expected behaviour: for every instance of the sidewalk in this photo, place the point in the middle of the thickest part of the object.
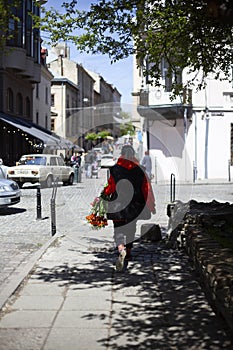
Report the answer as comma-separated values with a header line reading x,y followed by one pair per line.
x,y
74,299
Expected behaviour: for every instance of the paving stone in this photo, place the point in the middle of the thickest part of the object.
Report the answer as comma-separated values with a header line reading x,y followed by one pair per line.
x,y
28,318
42,302
77,338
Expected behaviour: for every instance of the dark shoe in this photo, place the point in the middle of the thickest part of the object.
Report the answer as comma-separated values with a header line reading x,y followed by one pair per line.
x,y
128,254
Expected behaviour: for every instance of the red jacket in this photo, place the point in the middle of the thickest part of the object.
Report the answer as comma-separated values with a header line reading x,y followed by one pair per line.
x,y
146,185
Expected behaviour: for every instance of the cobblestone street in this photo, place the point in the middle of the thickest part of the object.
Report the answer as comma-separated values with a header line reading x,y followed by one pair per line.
x,y
22,233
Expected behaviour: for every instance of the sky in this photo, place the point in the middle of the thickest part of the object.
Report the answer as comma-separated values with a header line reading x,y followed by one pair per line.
x,y
119,74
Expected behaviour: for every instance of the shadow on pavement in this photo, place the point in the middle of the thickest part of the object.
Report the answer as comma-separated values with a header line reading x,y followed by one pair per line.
x,y
11,211
156,303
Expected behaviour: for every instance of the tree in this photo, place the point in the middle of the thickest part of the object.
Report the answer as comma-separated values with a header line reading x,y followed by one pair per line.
x,y
187,34
126,127
9,17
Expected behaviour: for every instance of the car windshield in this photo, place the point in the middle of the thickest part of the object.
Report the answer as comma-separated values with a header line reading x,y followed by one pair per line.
x,y
32,161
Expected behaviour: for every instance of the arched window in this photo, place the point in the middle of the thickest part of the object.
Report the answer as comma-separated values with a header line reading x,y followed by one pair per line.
x,y
28,107
19,104
10,100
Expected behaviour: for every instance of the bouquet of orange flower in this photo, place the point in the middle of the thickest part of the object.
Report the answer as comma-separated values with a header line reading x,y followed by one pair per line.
x,y
98,218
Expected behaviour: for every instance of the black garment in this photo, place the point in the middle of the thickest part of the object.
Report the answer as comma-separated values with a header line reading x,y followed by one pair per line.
x,y
128,202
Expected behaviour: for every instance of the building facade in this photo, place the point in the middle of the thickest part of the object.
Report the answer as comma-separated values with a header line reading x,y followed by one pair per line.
x,y
190,137
42,95
82,101
25,125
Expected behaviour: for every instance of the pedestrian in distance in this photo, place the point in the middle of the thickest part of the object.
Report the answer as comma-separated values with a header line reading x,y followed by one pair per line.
x,y
130,198
89,159
147,164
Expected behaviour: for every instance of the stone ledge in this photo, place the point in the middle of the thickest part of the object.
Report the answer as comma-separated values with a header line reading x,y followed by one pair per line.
x,y
213,262
215,267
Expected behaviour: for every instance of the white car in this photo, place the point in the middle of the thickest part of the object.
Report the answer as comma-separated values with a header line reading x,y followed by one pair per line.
x,y
42,168
9,191
107,160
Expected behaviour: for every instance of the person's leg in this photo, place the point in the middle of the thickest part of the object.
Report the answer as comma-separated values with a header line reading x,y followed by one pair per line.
x,y
119,235
130,237
120,241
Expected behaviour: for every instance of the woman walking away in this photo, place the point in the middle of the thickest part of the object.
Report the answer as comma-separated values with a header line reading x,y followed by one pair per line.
x,y
130,198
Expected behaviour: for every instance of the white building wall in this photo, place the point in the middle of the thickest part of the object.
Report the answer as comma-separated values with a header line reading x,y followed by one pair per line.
x,y
59,92
207,142
42,101
167,144
213,146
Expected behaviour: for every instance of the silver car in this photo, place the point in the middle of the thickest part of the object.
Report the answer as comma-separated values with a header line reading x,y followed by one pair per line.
x,y
9,191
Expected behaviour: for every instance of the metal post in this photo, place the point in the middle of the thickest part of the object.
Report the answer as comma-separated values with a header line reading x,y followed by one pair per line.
x,y
38,202
172,188
194,172
53,205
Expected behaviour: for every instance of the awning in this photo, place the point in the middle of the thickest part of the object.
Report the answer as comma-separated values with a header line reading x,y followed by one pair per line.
x,y
159,112
49,139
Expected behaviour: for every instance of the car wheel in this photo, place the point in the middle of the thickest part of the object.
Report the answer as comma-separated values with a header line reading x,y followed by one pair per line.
x,y
49,181
71,180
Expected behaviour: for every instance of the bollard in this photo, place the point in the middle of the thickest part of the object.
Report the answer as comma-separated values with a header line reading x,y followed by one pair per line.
x,y
53,217
173,188
38,202
53,205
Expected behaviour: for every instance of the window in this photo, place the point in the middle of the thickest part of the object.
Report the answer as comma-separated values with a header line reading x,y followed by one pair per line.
x,y
37,117
19,104
60,162
28,28
52,100
52,124
15,28
10,100
169,78
37,90
53,161
36,36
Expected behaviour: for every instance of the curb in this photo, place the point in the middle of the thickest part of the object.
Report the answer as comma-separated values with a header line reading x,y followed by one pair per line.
x,y
11,284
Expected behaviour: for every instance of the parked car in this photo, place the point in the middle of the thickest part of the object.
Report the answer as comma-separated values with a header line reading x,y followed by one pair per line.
x,y
9,191
42,168
107,160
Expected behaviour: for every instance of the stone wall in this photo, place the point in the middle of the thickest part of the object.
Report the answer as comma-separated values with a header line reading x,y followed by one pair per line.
x,y
213,260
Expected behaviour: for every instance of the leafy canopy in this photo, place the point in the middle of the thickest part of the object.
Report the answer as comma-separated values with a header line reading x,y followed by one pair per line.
x,y
186,33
